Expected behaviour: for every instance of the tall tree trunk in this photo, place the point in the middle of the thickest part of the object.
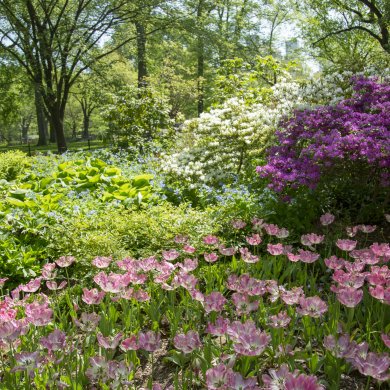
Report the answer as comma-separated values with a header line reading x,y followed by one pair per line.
x,y
56,120
46,127
200,55
87,108
55,108
85,125
141,54
53,136
74,129
239,27
25,127
58,123
41,120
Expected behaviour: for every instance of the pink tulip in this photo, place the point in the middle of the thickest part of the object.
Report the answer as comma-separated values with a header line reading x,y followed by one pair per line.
x,y
187,342
93,296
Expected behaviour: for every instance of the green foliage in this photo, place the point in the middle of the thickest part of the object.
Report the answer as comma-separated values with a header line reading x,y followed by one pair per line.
x,y
220,147
138,115
12,164
105,182
120,232
299,215
172,72
347,35
249,81
42,211
23,241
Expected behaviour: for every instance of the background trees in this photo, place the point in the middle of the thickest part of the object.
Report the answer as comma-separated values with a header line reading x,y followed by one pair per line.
x,y
177,48
56,41
356,31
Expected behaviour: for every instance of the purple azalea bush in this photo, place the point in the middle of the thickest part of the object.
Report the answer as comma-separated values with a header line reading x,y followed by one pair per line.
x,y
333,145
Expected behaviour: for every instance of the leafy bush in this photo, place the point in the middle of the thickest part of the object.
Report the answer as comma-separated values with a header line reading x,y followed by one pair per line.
x,y
340,151
86,229
138,115
12,164
104,181
23,242
58,198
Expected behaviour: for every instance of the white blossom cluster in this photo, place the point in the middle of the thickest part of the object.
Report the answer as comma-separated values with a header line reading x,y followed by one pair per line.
x,y
221,144
328,89
334,87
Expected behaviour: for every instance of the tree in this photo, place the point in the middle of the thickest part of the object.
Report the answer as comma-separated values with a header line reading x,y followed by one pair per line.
x,y
355,52
223,30
8,100
56,41
41,117
137,116
153,17
88,92
172,74
16,106
334,18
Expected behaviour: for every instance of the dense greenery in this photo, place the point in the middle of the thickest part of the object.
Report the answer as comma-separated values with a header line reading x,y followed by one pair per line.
x,y
221,218
55,84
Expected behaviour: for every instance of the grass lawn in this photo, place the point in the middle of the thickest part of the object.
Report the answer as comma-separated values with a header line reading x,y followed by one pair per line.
x,y
72,145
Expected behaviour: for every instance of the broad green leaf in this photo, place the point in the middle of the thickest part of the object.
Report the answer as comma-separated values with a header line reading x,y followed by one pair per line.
x,y
18,194
94,179
16,202
112,171
142,180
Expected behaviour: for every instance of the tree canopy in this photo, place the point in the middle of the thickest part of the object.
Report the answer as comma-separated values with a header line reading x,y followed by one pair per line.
x,y
178,48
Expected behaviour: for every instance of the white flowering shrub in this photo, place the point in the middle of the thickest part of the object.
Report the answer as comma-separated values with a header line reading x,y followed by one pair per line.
x,y
222,144
331,88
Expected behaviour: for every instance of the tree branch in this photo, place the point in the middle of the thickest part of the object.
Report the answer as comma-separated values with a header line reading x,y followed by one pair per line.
x,y
373,8
352,28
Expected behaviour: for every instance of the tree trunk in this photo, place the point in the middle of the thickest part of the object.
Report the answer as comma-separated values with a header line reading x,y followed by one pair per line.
x,y
56,119
60,135
200,55
41,121
141,54
25,127
74,129
55,108
86,125
53,137
46,127
200,76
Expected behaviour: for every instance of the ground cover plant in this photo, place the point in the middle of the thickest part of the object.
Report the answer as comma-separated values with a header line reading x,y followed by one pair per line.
x,y
101,203
55,191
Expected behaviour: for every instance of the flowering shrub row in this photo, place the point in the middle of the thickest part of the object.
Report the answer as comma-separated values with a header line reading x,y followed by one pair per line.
x,y
225,143
221,144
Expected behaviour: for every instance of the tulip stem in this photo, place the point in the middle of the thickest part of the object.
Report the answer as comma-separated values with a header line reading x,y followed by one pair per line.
x,y
351,312
368,383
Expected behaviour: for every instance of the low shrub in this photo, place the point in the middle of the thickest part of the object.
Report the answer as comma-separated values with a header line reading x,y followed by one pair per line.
x,y
12,164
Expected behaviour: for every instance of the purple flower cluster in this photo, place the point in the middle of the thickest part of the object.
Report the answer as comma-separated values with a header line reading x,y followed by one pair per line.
x,y
313,141
368,363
